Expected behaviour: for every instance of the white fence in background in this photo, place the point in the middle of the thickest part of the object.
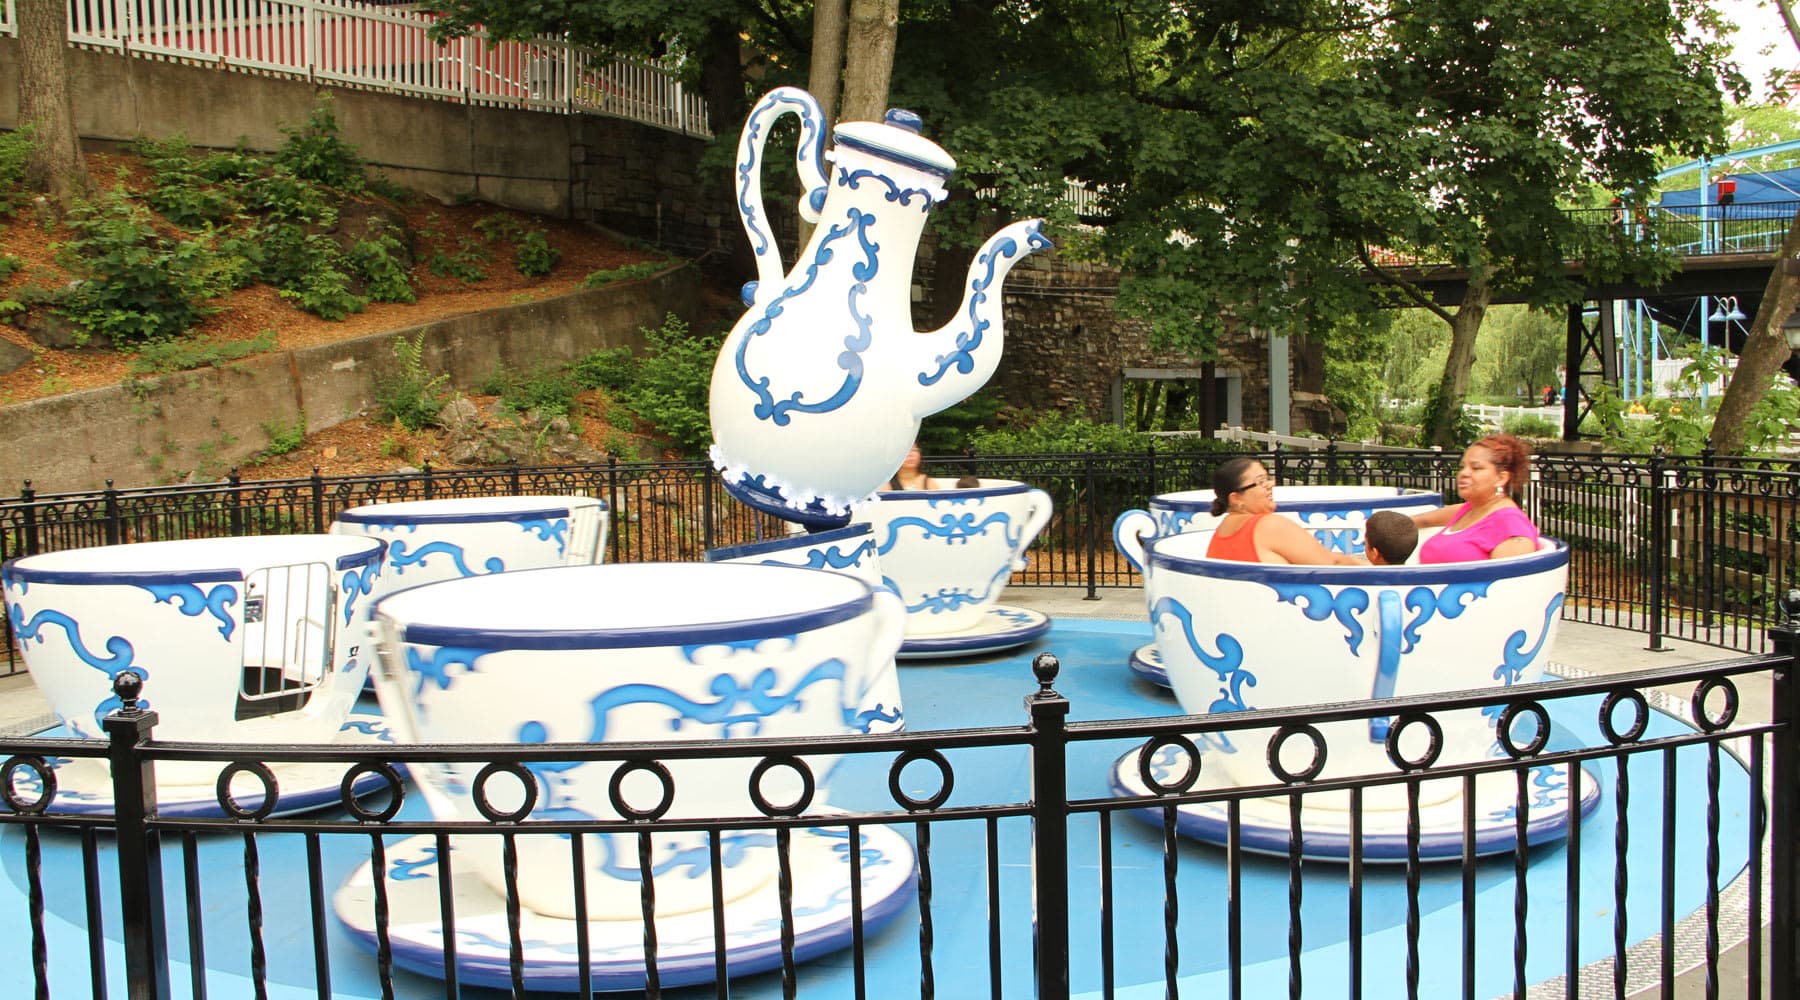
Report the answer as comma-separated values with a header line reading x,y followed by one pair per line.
x,y
1494,418
355,44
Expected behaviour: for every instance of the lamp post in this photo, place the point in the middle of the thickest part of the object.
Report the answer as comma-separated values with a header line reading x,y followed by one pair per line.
x,y
1725,311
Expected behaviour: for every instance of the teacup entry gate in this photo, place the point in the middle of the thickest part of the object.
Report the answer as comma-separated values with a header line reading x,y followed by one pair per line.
x,y
238,640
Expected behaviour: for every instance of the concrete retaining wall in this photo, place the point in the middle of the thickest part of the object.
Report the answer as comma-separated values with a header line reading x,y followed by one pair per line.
x,y
634,178
202,422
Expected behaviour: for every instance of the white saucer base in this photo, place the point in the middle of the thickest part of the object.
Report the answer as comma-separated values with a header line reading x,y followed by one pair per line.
x,y
1001,627
1146,662
685,942
1264,823
84,784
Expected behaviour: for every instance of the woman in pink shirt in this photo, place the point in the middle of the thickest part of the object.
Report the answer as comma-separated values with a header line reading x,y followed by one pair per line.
x,y
1488,524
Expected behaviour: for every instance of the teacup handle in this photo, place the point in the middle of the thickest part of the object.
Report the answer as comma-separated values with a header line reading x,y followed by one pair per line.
x,y
809,159
387,670
1035,520
1129,532
890,632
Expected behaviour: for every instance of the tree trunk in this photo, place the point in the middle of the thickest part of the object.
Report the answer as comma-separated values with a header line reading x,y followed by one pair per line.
x,y
827,77
1765,347
1464,326
55,166
869,59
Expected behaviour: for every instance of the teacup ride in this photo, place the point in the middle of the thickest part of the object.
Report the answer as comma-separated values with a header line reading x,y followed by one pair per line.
x,y
237,640
454,537
851,550
1334,514
949,553
1238,636
443,539
625,653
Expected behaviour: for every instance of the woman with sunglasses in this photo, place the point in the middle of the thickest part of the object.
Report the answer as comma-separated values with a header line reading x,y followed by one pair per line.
x,y
1244,492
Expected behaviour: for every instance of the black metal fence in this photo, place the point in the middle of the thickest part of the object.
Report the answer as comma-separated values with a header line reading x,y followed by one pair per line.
x,y
1691,547
1025,884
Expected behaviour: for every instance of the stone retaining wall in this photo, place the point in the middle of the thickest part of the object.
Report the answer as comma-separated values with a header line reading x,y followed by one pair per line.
x,y
200,423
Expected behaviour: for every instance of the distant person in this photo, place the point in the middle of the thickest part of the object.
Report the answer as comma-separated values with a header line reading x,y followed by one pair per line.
x,y
1549,395
911,474
1489,523
1389,537
968,482
1244,492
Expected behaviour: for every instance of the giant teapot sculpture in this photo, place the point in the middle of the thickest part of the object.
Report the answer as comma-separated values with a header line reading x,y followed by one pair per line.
x,y
818,391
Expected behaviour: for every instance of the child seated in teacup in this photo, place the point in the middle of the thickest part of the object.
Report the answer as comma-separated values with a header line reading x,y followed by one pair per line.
x,y
1389,537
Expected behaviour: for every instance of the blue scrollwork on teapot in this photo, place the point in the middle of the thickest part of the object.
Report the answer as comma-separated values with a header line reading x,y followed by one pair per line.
x,y
818,390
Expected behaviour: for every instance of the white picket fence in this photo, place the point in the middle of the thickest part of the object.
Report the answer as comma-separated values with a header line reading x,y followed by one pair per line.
x,y
355,44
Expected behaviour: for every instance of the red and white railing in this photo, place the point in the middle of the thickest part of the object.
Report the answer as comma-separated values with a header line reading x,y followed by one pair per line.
x,y
357,44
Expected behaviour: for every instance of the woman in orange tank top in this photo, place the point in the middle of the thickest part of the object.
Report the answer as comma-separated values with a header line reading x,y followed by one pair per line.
x,y
1244,492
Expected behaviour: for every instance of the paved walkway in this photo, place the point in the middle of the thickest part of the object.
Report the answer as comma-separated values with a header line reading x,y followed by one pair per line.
x,y
1584,647
1587,647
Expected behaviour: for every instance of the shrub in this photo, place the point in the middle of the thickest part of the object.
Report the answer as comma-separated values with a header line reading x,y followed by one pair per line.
x,y
672,389
15,149
162,357
611,368
534,256
1039,432
630,272
1530,425
374,260
466,262
283,196
406,392
325,292
548,390
138,285
316,152
284,437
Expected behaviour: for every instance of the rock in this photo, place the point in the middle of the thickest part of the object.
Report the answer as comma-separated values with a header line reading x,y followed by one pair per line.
x,y
13,357
459,417
54,330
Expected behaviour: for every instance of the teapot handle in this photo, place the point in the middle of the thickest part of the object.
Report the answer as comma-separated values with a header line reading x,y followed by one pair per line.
x,y
809,159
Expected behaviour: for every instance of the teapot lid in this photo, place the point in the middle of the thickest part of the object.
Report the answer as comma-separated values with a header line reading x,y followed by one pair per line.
x,y
896,138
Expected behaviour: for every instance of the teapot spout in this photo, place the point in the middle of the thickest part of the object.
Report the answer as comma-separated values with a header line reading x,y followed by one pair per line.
x,y
959,357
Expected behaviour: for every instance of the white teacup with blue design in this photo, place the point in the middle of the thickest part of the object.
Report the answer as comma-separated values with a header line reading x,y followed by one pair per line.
x,y
1334,514
239,640
850,549
432,540
1236,636
949,553
632,652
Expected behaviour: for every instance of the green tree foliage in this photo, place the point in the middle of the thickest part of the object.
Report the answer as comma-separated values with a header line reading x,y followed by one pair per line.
x,y
1248,157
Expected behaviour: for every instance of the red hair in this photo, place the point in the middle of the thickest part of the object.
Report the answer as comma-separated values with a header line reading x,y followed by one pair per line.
x,y
1511,456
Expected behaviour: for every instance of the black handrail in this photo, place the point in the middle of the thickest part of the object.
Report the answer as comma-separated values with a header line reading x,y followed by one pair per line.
x,y
1682,546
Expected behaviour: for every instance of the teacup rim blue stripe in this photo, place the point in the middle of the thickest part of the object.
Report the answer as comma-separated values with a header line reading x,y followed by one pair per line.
x,y
707,633
359,515
955,493
788,542
1457,572
145,577
1164,502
